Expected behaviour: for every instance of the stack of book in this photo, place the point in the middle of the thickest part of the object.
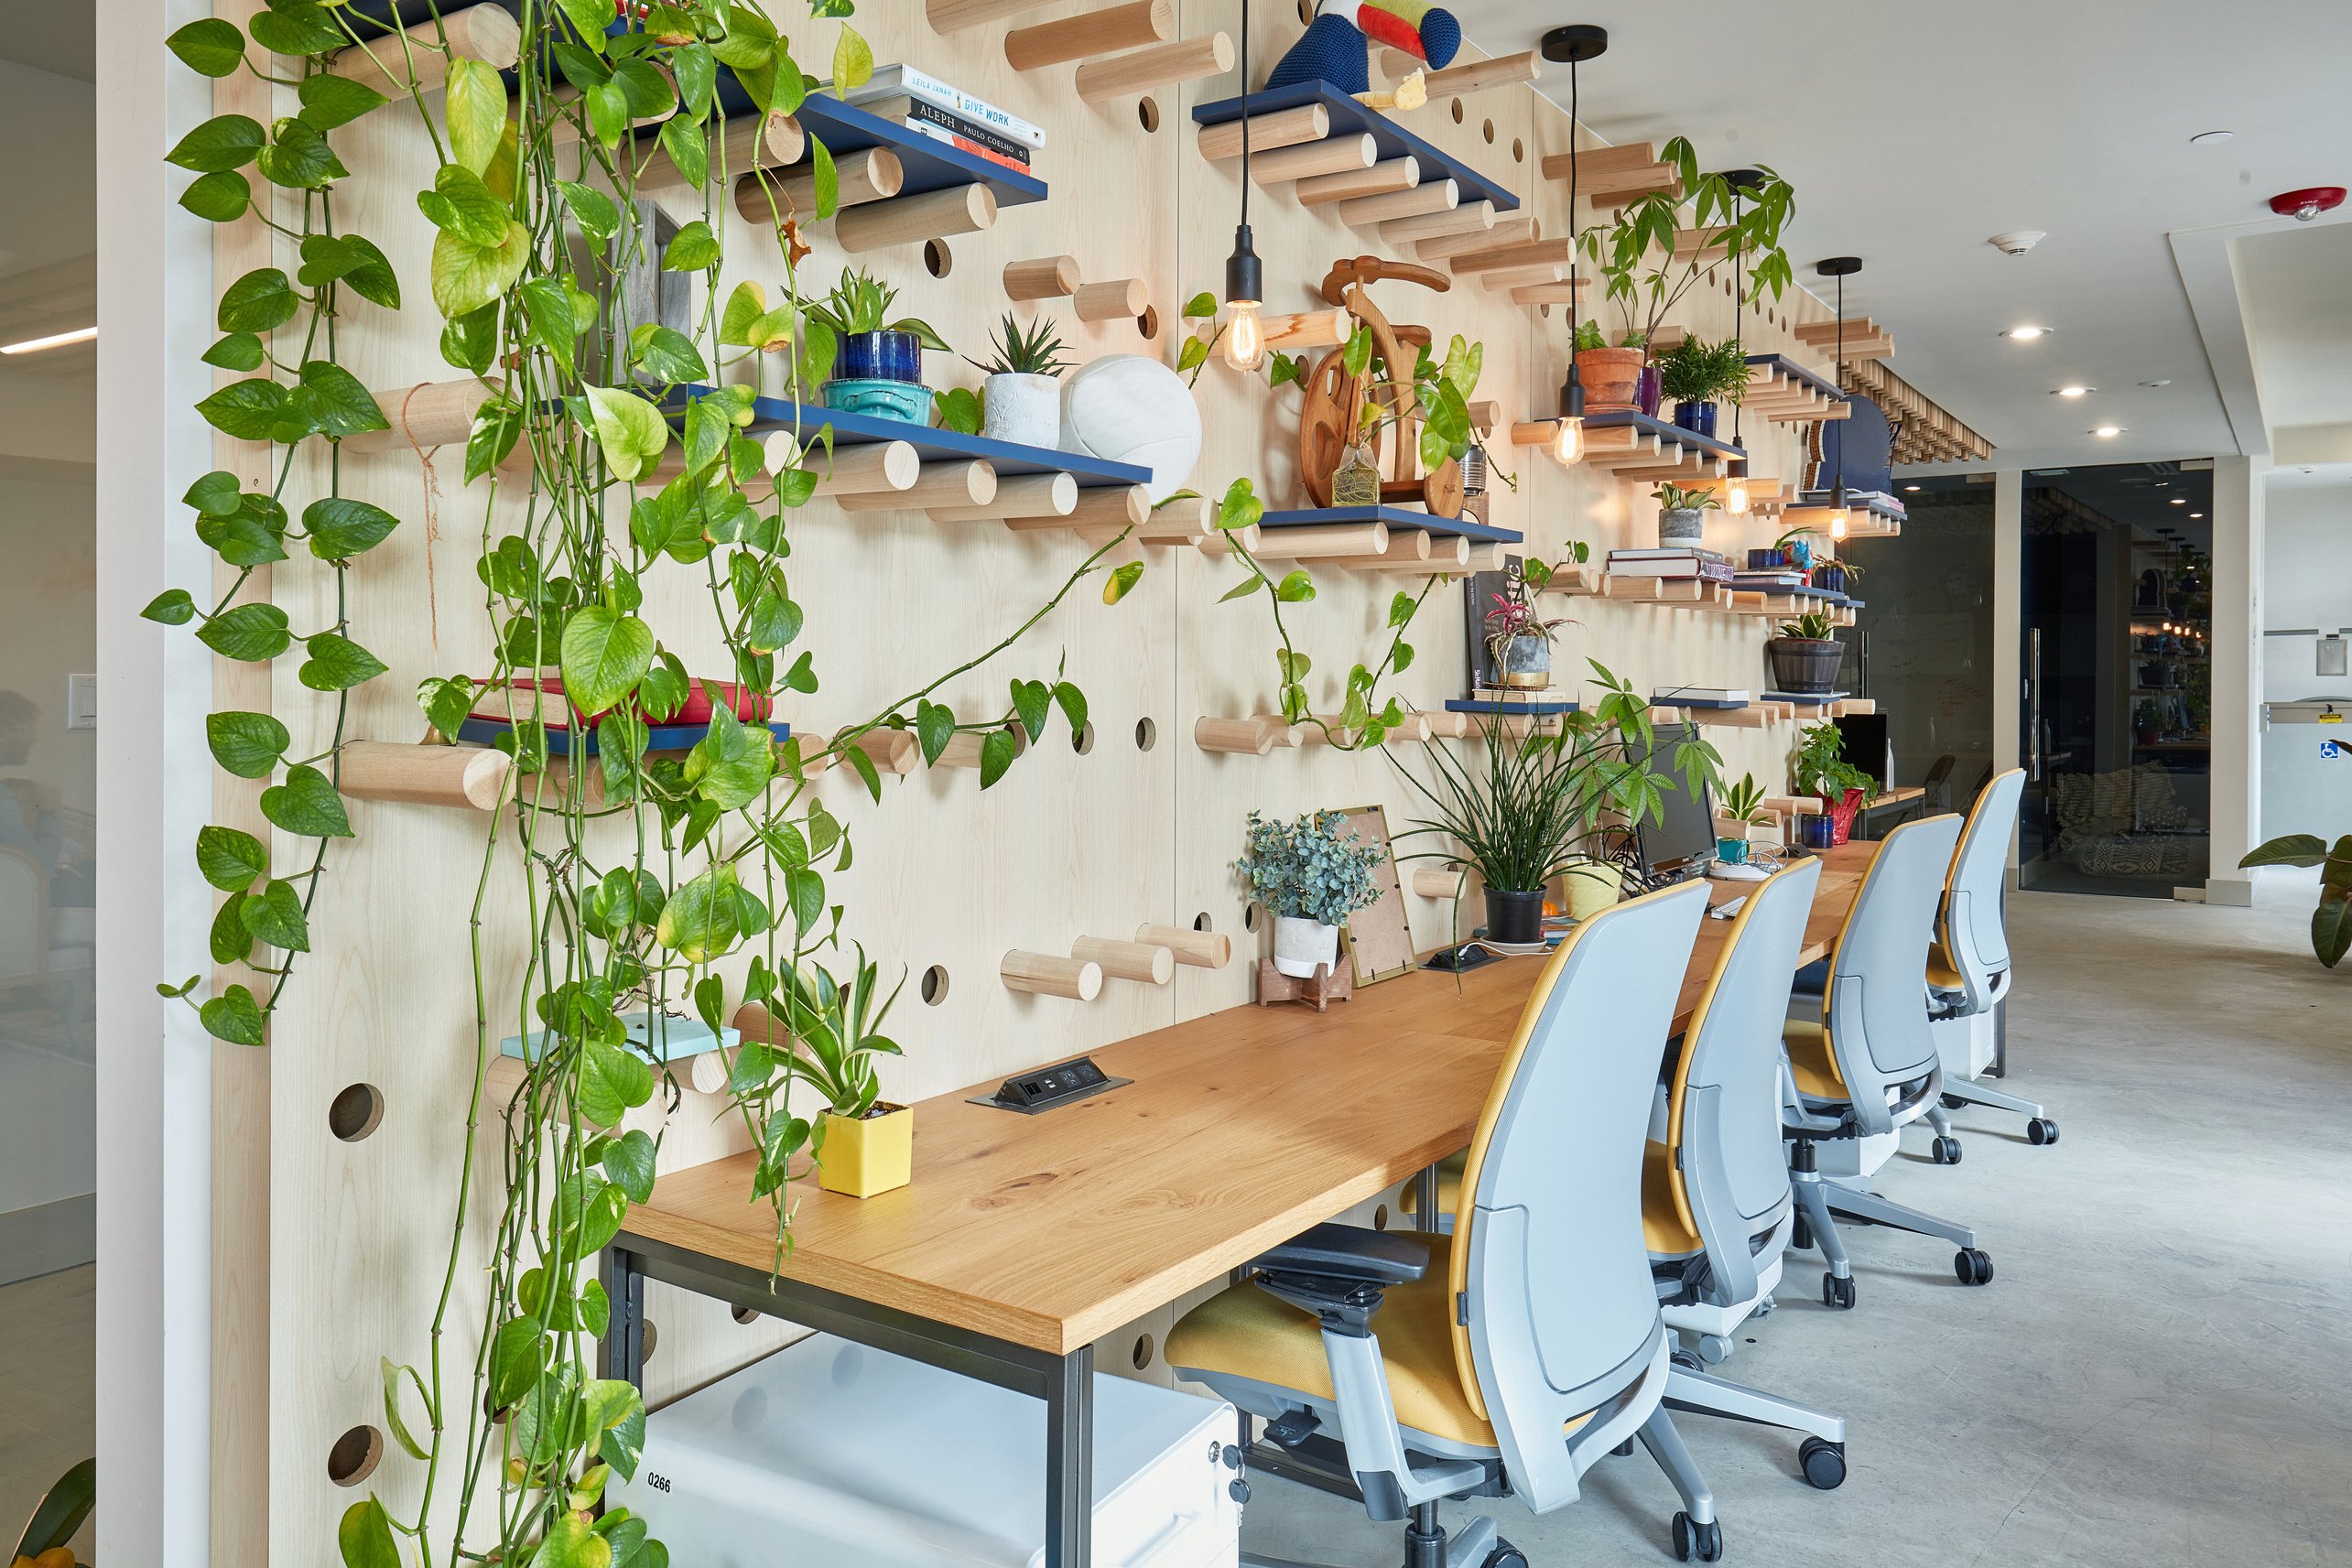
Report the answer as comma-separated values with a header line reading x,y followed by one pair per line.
x,y
1699,697
928,107
1675,561
1877,501
1518,696
1777,579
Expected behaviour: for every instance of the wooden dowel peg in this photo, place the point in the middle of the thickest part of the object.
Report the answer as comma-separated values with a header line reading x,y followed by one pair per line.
x,y
1111,506
877,468
1041,278
953,483
1508,278
1332,155
1194,949
1145,961
951,15
427,415
471,776
1050,974
550,788
1053,495
484,32
1252,735
1485,414
1409,730
774,140
1478,76
1090,33
1431,882
1323,539
1534,432
1477,218
1184,522
963,748
872,175
1185,59
1394,174
1526,253
1308,329
1402,544
1117,299
1442,196
892,750
1286,734
1283,129
1518,229
1548,293
911,220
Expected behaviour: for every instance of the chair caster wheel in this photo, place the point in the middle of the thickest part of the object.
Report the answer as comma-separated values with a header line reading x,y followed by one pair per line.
x,y
1952,1102
1714,1349
1505,1555
1944,1151
1765,1308
1687,1360
1802,1237
1624,1450
1973,1265
2042,1129
1698,1543
1839,1294
1824,1463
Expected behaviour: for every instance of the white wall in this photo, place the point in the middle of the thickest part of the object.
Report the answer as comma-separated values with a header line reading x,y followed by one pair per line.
x,y
2307,581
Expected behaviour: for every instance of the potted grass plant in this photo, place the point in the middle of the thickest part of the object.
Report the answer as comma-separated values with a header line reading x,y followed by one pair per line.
x,y
1310,874
1526,810
1806,656
878,362
1681,513
862,1143
1021,401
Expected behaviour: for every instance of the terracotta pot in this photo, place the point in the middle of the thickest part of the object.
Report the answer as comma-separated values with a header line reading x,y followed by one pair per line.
x,y
1610,378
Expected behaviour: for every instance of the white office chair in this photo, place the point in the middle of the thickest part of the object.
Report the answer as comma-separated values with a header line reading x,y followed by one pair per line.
x,y
1866,1067
1716,1210
1969,968
1514,1355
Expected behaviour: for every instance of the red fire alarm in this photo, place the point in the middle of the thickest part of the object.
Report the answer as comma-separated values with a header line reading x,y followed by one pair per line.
x,y
2307,203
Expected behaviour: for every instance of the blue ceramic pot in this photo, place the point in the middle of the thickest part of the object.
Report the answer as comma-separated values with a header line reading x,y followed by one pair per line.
x,y
1829,579
880,356
1696,416
885,399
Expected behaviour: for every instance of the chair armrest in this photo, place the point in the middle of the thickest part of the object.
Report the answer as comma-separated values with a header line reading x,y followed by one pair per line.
x,y
1346,1252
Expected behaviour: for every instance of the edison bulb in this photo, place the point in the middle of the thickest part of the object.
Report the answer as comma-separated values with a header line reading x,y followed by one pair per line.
x,y
1568,441
1245,336
1735,498
1837,518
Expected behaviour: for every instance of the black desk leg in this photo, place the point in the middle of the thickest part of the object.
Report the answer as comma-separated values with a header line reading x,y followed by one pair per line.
x,y
622,1352
1070,1461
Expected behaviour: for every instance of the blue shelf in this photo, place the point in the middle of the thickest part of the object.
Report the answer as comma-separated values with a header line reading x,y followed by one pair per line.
x,y
1524,709
1797,372
934,444
1351,118
1666,431
927,164
1398,518
659,737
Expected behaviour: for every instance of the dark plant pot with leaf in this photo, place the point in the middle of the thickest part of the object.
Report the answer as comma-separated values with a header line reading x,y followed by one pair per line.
x,y
873,353
1697,418
1806,656
1515,917
1681,513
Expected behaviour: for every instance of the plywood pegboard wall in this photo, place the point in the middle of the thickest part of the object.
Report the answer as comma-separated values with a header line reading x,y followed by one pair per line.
x,y
330,1251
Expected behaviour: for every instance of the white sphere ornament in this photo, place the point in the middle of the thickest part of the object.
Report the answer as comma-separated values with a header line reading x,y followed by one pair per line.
x,y
1124,408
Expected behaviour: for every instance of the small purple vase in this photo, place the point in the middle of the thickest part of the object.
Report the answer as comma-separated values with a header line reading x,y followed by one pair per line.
x,y
1650,390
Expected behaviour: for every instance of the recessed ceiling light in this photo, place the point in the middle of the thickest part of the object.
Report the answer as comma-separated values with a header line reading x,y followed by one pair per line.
x,y
2196,513
2210,138
55,340
1910,486
2108,430
2026,334
2073,391
2180,501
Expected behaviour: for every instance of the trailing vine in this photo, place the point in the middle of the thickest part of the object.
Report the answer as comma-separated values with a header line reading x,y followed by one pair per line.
x,y
607,448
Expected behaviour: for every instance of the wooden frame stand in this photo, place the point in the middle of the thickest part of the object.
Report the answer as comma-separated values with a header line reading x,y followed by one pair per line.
x,y
1319,991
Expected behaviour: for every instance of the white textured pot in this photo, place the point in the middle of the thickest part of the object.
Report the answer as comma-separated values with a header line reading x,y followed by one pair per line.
x,y
1025,410
1300,945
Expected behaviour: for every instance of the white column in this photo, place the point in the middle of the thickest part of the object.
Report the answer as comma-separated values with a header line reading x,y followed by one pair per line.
x,y
2238,545
154,1072
2008,619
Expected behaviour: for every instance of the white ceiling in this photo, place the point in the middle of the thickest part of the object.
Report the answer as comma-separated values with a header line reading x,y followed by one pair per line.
x,y
1914,133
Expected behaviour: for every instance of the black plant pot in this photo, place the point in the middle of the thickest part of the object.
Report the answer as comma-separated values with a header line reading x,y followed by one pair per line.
x,y
1515,917
1806,665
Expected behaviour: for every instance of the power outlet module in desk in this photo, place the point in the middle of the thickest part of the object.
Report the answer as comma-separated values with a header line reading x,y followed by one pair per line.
x,y
1043,1089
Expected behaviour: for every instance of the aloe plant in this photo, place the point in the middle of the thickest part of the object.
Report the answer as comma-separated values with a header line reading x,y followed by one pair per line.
x,y
1037,352
861,302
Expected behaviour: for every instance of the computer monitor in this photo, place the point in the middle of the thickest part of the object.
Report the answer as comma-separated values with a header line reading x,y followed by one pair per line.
x,y
1681,838
1869,745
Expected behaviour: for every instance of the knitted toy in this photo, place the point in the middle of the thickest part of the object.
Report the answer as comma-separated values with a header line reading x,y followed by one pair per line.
x,y
1337,47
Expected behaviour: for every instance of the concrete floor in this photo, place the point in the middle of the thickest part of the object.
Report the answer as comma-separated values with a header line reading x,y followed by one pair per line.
x,y
2158,1374
48,1360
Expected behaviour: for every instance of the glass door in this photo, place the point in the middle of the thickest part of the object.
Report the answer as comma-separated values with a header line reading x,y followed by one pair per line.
x,y
2118,621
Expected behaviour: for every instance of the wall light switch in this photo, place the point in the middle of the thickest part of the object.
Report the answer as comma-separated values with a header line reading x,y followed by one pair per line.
x,y
82,702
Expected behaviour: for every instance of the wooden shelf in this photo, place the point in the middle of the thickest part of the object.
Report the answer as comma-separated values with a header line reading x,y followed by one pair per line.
x,y
1865,519
1673,593
1398,519
658,736
1615,176
1863,337
1574,581
775,414
1347,118
1650,449
1786,392
924,165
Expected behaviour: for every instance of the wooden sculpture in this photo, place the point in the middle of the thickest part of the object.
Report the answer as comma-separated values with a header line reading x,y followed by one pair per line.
x,y
1335,398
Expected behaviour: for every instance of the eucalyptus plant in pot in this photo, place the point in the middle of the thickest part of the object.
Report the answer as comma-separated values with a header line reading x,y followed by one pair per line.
x,y
1681,513
1806,656
878,363
1533,807
1021,401
1310,874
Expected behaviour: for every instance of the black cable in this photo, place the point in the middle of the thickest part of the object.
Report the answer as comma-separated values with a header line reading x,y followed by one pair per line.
x,y
1245,113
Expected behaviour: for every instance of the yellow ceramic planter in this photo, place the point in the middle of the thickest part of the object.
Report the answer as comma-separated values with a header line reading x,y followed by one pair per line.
x,y
861,1158
1591,887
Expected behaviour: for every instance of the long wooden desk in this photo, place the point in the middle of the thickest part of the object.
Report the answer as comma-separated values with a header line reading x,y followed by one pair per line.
x,y
1023,1239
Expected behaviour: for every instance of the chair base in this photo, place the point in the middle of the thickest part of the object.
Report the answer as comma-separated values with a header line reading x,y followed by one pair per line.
x,y
1691,1391
1477,1545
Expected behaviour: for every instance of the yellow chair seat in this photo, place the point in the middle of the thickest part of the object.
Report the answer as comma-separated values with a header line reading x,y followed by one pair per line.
x,y
1942,973
1450,1186
1247,1332
1811,1060
1663,1226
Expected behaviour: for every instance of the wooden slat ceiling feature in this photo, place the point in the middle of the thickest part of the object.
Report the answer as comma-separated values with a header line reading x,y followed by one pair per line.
x,y
1924,432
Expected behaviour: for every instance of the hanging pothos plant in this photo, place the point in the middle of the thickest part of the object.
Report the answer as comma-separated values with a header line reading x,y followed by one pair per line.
x,y
606,449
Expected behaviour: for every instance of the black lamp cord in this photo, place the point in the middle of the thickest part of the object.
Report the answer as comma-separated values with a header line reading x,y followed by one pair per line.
x,y
1840,371
1245,113
1739,314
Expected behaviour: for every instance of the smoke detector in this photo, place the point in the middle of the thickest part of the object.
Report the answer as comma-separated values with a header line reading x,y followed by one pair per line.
x,y
2017,242
2307,203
